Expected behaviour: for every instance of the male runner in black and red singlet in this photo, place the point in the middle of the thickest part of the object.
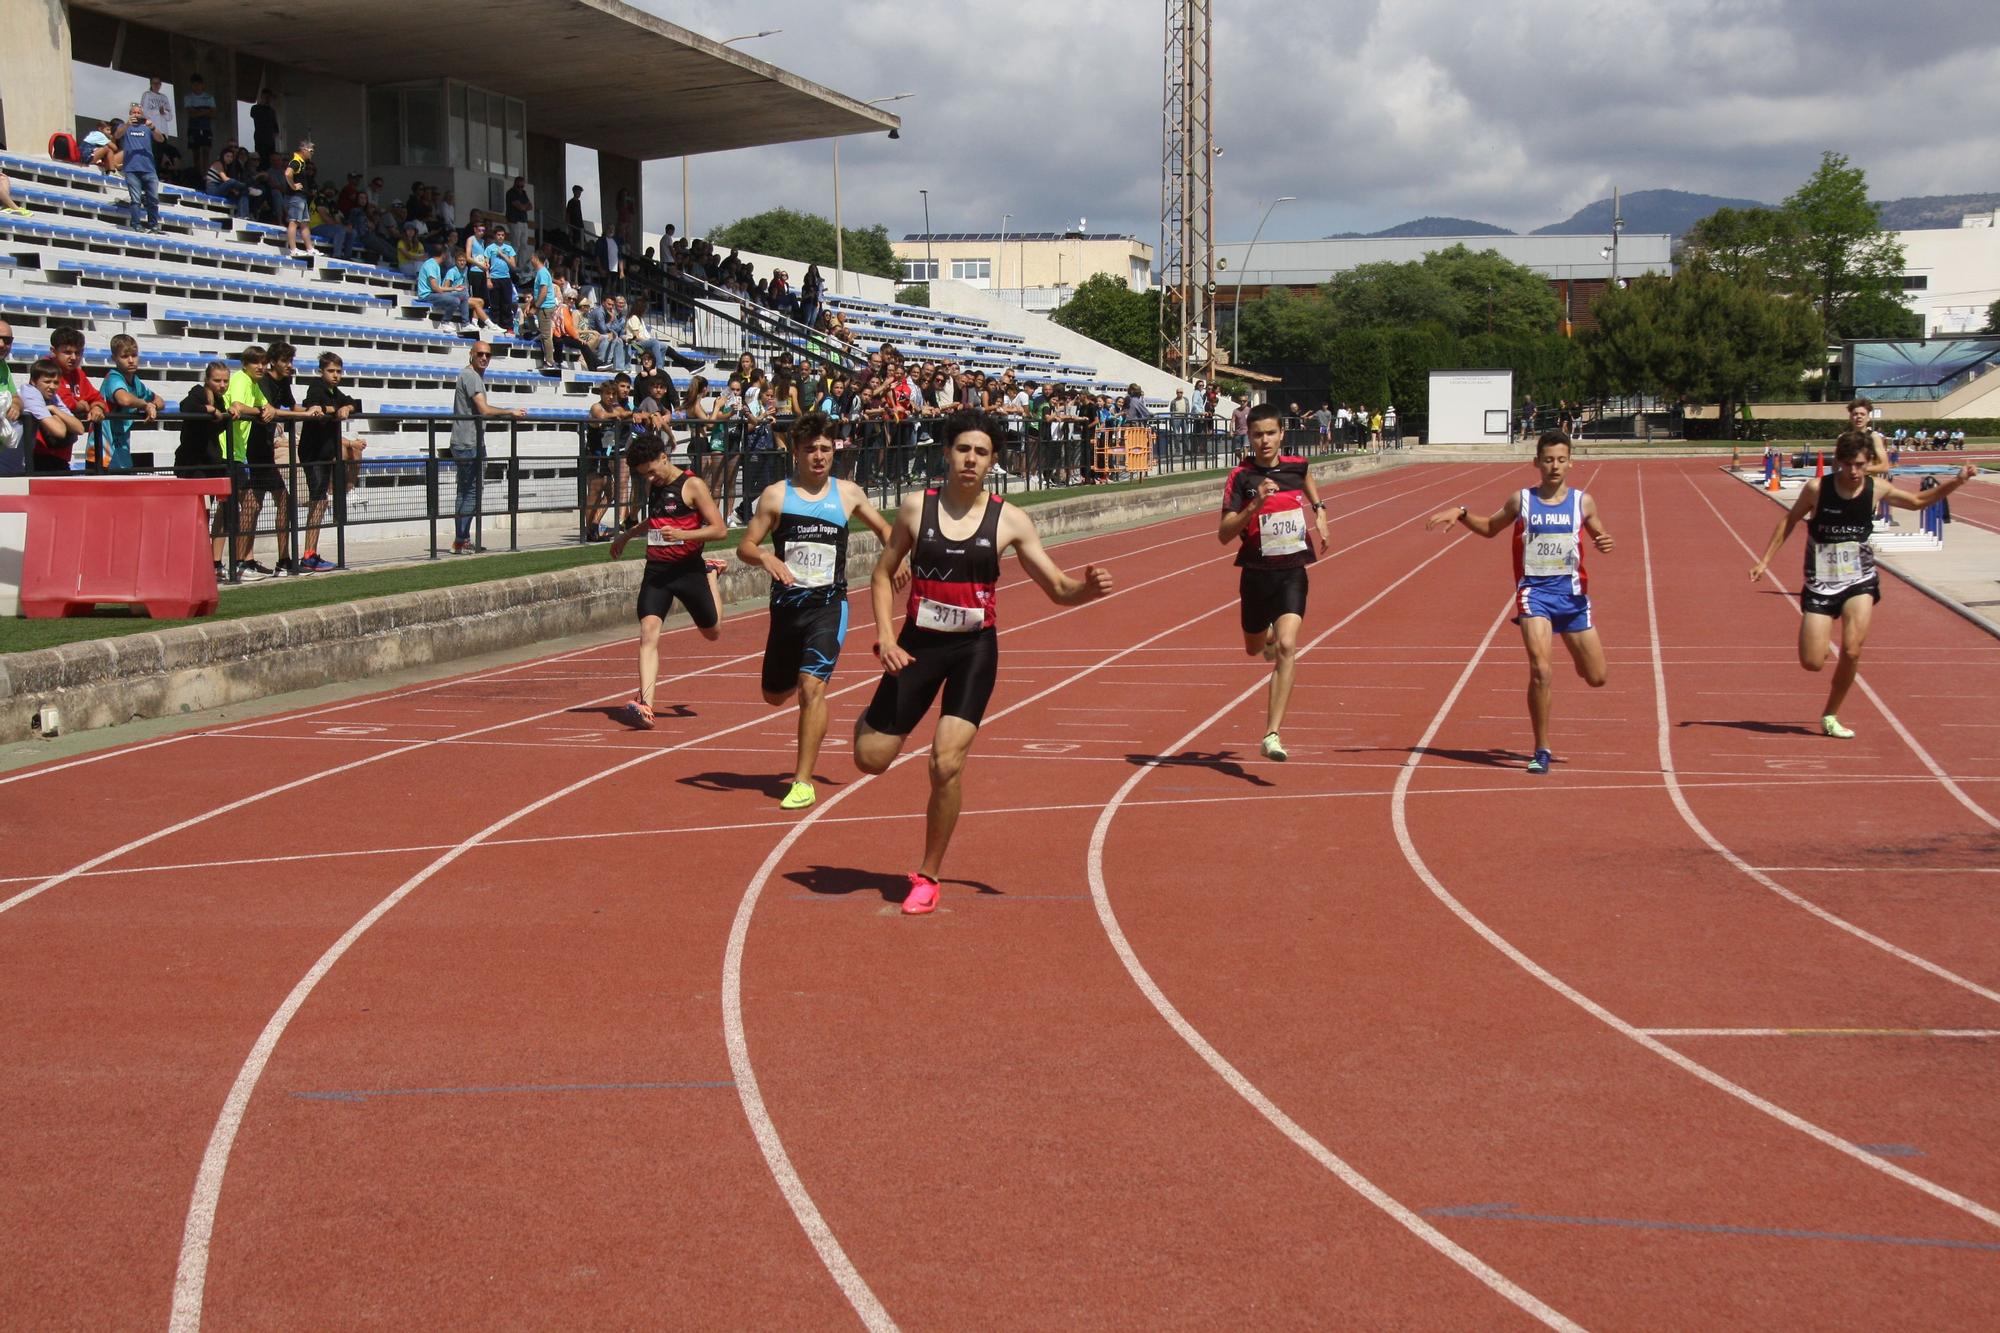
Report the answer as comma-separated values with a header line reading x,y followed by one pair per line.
x,y
677,515
1266,504
807,517
1840,582
953,538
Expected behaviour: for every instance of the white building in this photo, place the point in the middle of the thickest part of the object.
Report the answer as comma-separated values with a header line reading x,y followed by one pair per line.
x,y
1951,276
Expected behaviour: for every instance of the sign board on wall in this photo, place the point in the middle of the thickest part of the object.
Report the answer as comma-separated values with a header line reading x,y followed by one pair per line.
x,y
1471,407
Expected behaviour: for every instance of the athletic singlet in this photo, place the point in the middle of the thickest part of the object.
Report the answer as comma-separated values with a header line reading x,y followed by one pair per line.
x,y
952,580
811,538
1548,543
668,512
1276,538
1838,555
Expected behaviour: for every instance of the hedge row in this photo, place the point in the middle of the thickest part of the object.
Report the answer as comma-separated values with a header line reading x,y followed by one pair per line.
x,y
1823,428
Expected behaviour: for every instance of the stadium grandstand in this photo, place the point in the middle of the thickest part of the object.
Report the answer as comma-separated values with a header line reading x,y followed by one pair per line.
x,y
217,272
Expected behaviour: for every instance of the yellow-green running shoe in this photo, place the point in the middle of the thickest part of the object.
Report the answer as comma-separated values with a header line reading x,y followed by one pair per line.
x,y
799,797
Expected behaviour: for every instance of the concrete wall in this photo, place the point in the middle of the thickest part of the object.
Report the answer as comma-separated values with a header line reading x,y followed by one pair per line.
x,y
1024,263
36,95
1961,269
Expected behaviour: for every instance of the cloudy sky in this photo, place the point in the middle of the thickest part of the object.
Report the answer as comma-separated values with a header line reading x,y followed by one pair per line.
x,y
1370,112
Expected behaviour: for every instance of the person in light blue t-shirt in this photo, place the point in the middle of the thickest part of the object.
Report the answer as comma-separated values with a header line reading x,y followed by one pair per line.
x,y
500,260
129,399
440,292
542,303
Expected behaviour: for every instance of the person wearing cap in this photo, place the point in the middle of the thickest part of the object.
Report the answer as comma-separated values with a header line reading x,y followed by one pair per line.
x,y
298,182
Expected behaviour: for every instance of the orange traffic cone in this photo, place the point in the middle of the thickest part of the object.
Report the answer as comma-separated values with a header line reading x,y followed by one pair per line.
x,y
1772,483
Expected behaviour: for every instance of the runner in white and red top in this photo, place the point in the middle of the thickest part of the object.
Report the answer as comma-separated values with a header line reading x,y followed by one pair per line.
x,y
1548,524
953,537
1266,505
678,516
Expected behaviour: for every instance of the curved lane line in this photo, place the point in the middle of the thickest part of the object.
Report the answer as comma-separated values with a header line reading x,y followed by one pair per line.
x,y
1399,818
1495,1280
1717,846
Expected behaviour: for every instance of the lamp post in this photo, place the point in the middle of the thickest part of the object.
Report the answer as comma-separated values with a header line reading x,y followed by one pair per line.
x,y
839,240
1005,218
1236,306
687,228
929,263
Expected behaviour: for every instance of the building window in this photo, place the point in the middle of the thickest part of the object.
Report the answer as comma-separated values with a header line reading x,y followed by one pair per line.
x,y
972,270
1916,282
920,270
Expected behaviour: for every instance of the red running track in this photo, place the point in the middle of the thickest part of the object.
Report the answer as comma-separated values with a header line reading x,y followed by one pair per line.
x,y
505,1014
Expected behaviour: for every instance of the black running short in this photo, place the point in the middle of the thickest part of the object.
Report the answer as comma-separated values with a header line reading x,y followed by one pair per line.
x,y
686,581
1830,603
803,641
962,665
267,479
1268,594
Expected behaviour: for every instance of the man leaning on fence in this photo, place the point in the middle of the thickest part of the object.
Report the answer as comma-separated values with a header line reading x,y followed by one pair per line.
x,y
469,409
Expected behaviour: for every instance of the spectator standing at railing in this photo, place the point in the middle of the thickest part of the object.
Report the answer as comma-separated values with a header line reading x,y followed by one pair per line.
x,y
159,108
604,441
200,453
519,206
13,453
74,391
573,215
322,449
267,476
142,174
1392,433
469,410
248,410
55,428
200,105
129,398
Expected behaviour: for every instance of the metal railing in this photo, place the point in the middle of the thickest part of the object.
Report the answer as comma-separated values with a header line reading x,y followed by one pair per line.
x,y
519,472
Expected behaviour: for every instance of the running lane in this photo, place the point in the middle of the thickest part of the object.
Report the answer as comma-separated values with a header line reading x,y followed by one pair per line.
x,y
994,1124
1612,1185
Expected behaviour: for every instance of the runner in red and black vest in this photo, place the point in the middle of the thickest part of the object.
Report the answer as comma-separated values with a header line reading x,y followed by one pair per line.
x,y
953,537
1266,504
677,515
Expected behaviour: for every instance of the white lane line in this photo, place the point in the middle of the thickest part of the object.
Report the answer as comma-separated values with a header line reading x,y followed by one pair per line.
x,y
191,1274
866,1305
1100,895
1979,811
1716,845
1823,1032
1882,870
1399,818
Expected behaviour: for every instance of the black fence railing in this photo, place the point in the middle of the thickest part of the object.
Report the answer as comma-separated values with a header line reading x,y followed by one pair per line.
x,y
523,469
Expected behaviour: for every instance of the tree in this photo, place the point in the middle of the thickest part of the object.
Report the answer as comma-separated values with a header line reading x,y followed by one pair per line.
x,y
917,293
1702,335
1748,244
1369,295
1842,252
807,238
1993,318
1494,294
1105,309
1283,326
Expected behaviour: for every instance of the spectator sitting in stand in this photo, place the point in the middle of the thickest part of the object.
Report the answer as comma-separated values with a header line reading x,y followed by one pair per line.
x,y
445,293
447,211
327,228
129,398
224,182
409,250
603,337
98,149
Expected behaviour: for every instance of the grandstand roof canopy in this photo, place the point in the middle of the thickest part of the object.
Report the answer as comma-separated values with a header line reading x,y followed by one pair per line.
x,y
592,72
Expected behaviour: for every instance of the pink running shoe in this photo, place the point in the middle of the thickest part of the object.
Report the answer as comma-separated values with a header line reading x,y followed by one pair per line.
x,y
922,897
641,714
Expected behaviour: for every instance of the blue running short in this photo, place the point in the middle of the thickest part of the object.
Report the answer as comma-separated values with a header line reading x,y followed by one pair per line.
x,y
1567,612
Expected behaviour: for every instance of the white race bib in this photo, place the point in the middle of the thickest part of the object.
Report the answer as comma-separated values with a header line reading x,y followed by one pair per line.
x,y
1836,563
1548,554
1281,532
663,537
811,563
951,619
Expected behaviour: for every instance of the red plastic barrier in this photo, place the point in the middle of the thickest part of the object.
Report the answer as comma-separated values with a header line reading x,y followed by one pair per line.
x,y
138,541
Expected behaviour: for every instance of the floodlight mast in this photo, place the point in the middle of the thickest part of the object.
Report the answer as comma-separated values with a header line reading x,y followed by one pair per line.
x,y
1187,194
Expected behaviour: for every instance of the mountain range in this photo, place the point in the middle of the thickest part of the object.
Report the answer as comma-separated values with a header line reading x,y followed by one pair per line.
x,y
1675,211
